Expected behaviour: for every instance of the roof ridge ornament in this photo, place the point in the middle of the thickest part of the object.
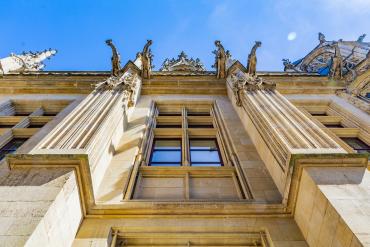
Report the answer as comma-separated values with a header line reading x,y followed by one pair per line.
x,y
25,62
182,63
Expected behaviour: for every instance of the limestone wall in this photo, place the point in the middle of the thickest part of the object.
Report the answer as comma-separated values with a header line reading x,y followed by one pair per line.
x,y
332,207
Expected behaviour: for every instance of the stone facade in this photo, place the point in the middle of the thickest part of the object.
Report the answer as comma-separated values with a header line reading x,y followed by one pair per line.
x,y
83,176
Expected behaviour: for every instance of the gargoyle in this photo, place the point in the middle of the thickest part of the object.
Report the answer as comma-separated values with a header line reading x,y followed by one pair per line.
x,y
146,59
252,59
116,65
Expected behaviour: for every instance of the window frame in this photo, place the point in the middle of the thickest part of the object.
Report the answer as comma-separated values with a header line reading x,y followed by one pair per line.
x,y
150,162
203,150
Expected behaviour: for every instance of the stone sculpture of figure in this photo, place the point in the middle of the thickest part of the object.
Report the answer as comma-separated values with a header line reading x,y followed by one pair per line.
x,y
27,61
321,38
220,60
361,38
252,59
146,58
336,64
116,66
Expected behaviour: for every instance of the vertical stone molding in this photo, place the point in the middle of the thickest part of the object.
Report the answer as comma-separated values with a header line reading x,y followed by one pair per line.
x,y
100,112
284,128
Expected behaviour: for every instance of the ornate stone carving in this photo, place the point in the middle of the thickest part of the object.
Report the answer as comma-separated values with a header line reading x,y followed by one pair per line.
x,y
252,59
220,57
354,100
336,64
321,38
182,63
243,81
288,66
319,60
116,64
27,61
146,59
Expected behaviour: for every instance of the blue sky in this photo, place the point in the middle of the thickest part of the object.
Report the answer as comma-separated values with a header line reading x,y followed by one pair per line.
x,y
78,29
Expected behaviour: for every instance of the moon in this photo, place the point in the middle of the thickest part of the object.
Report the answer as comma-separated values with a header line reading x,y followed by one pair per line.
x,y
292,36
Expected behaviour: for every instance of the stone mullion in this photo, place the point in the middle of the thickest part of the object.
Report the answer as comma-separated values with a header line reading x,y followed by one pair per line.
x,y
311,127
290,121
7,109
75,133
38,112
97,120
67,123
185,138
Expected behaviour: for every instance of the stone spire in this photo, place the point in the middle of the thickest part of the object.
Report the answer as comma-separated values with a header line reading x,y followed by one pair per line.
x,y
27,61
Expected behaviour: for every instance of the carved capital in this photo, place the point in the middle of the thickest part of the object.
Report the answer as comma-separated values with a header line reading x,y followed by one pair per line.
x,y
128,84
244,82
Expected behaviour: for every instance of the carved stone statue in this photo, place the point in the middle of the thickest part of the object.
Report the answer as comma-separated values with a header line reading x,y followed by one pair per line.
x,y
252,59
221,57
336,64
146,58
116,64
321,38
361,38
27,61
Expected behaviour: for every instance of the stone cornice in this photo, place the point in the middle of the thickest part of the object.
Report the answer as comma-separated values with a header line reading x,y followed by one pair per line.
x,y
80,82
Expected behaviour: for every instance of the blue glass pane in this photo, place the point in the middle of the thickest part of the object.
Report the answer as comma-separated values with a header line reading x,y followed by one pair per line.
x,y
203,144
167,144
205,164
166,156
165,164
205,156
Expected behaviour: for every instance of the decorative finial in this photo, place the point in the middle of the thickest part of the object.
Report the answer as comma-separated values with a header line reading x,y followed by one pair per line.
x,y
116,64
25,62
252,59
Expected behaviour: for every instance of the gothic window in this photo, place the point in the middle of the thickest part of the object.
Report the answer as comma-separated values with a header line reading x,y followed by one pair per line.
x,y
185,135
